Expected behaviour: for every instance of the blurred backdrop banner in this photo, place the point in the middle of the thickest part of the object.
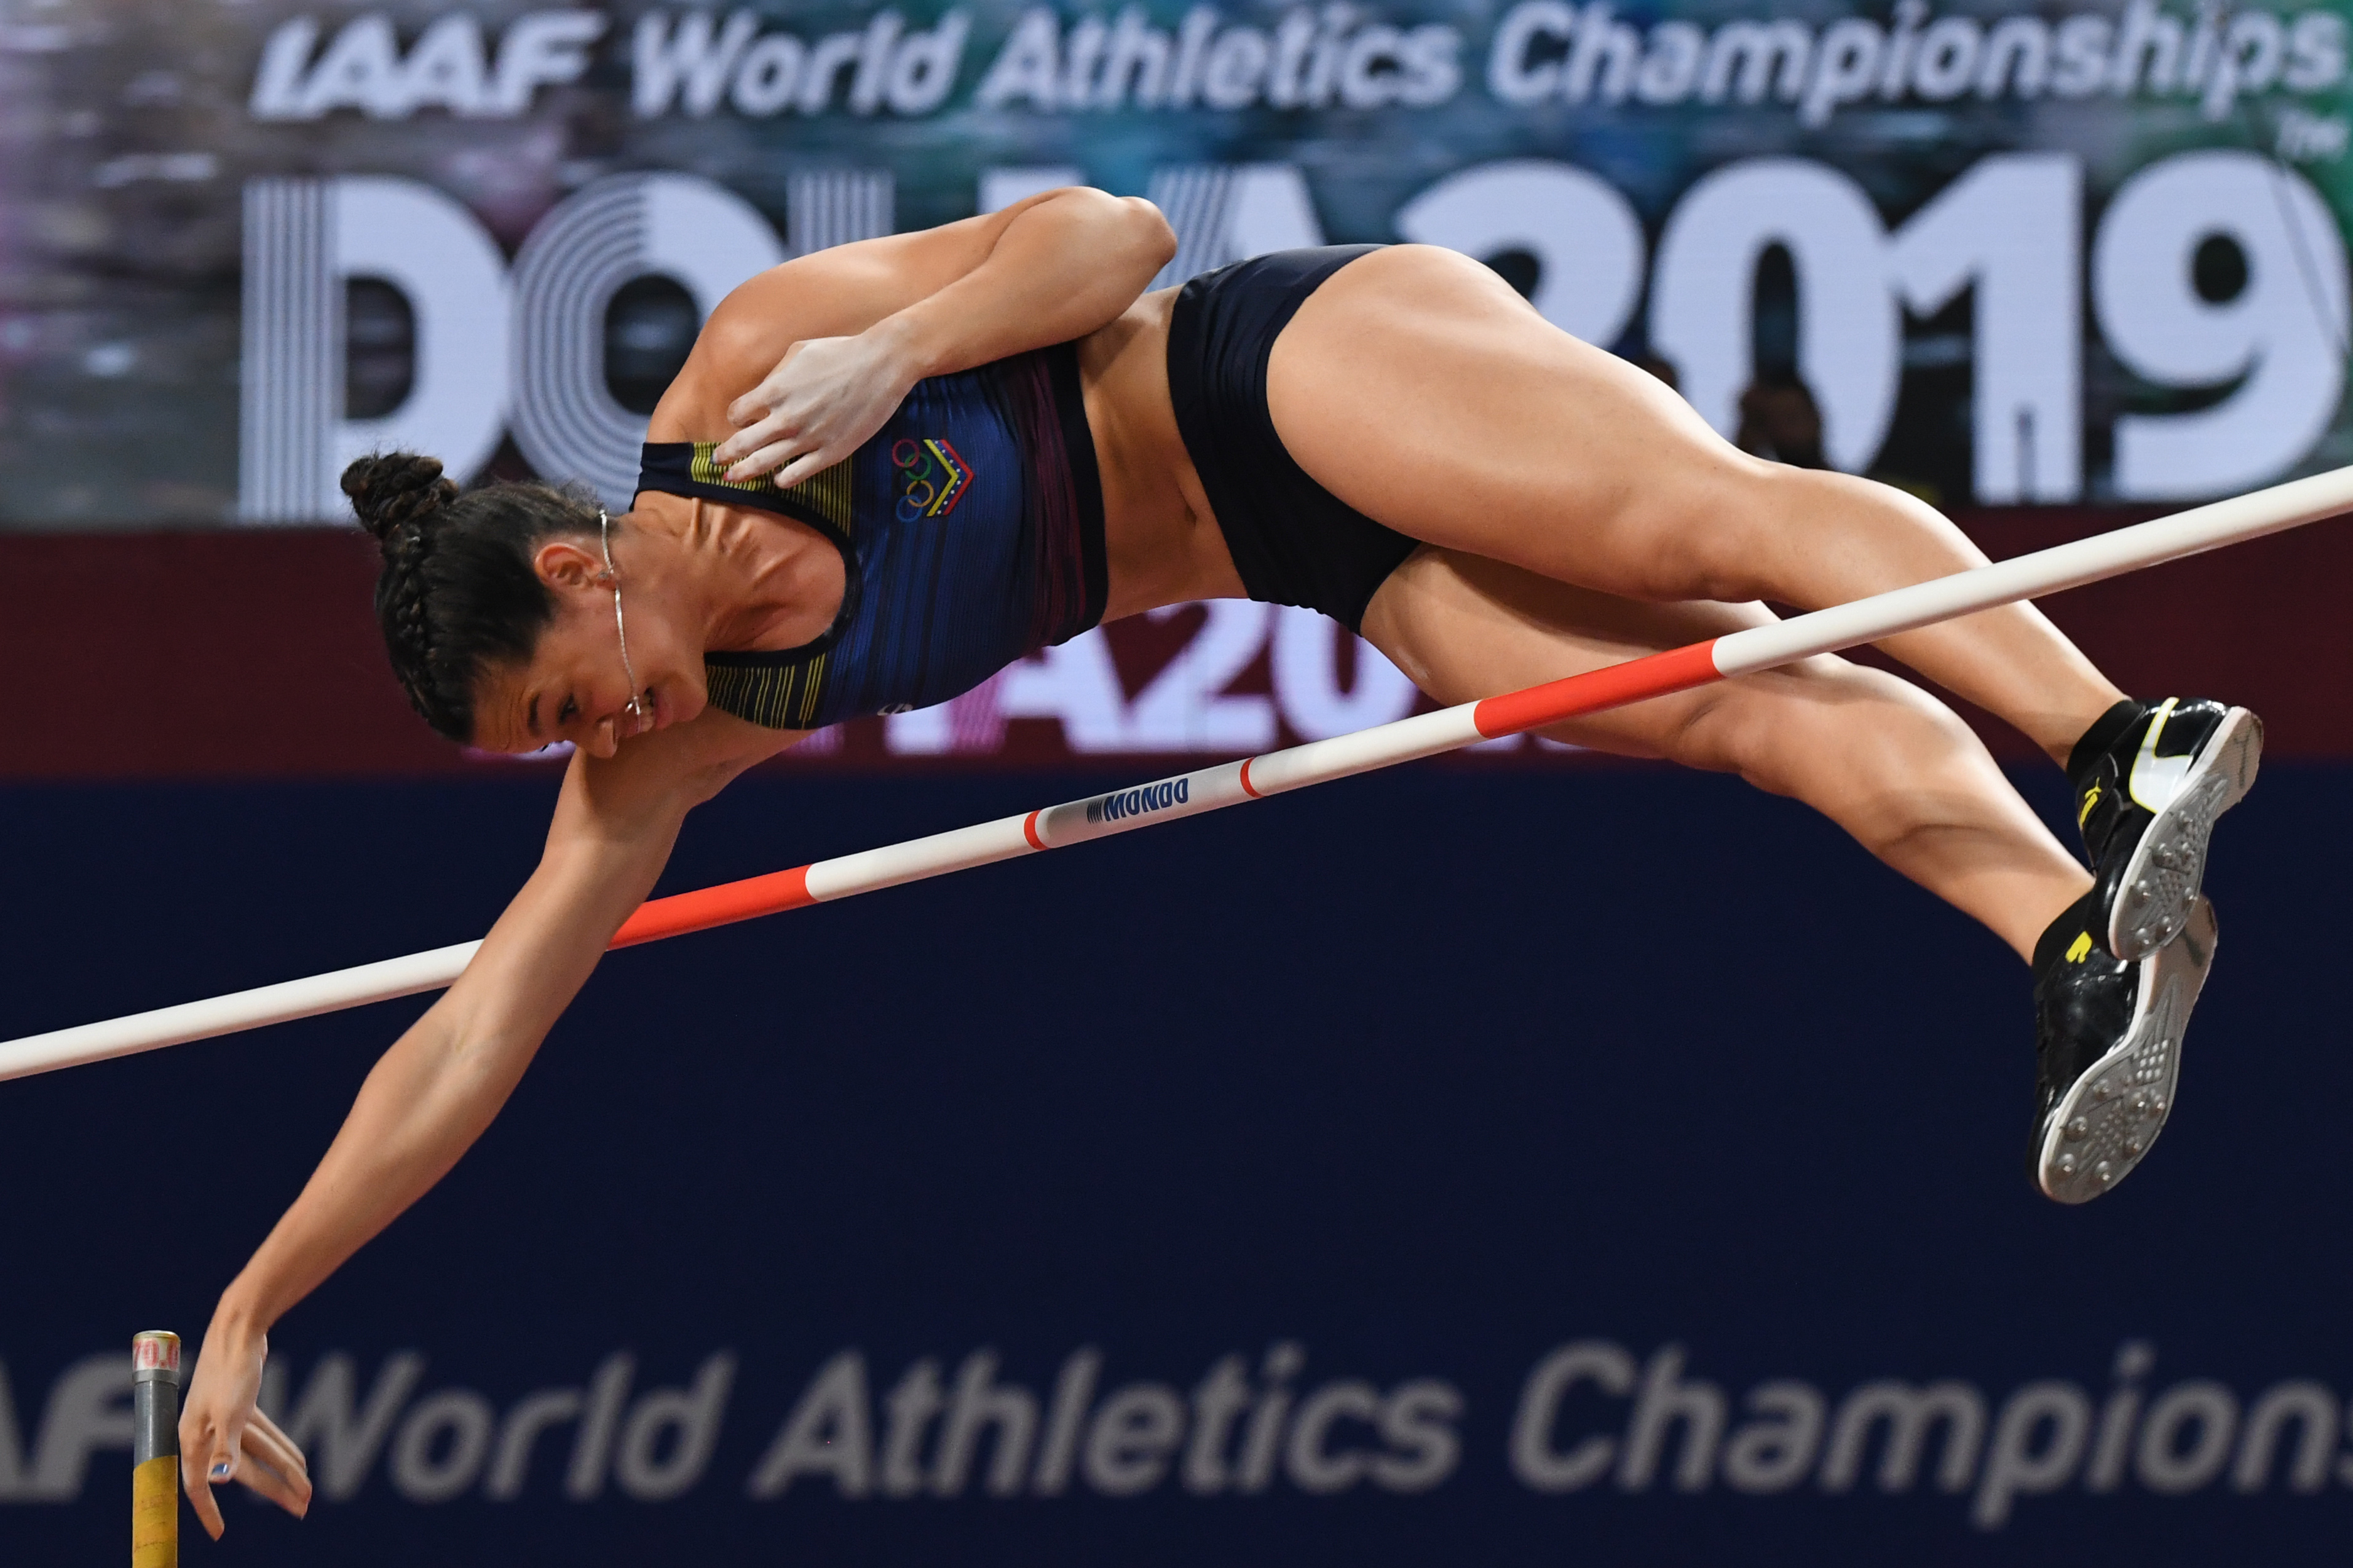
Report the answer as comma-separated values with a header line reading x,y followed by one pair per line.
x,y
1614,1170
2016,255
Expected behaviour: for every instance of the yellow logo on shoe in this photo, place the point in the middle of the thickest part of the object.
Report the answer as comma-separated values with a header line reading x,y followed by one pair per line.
x,y
2081,946
2091,799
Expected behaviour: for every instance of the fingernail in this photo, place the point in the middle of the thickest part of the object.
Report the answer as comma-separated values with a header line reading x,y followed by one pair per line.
x,y
220,1470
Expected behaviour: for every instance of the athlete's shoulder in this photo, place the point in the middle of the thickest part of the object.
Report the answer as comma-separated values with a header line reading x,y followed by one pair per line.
x,y
836,292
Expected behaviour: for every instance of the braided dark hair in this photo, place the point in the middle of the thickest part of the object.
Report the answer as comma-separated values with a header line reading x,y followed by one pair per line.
x,y
458,593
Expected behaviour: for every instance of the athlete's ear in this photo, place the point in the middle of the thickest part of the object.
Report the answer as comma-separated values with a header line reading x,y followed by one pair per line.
x,y
562,565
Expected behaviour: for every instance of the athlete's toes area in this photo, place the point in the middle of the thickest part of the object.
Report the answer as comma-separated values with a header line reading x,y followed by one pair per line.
x,y
2108,1050
2150,782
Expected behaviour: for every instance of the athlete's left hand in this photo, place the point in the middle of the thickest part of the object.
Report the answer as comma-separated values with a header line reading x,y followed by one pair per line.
x,y
825,397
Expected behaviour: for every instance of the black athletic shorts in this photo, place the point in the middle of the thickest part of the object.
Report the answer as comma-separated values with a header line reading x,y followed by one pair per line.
x,y
1293,542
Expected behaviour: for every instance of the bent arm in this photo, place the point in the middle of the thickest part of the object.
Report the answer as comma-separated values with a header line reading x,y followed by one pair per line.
x,y
1065,264
1044,270
831,343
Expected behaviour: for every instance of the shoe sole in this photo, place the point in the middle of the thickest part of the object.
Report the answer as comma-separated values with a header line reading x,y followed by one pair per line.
x,y
2108,1122
2166,871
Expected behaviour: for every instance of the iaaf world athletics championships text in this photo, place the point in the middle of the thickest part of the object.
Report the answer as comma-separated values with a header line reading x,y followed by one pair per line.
x,y
1592,1415
1336,56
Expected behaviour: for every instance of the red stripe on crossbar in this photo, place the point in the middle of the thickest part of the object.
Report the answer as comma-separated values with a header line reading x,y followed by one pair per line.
x,y
1676,669
1653,677
1245,783
706,907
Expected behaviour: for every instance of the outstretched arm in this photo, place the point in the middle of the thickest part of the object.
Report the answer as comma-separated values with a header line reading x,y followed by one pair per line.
x,y
836,339
438,1087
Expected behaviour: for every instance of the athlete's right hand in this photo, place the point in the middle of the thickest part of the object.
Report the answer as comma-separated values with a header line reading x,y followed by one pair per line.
x,y
820,404
225,1437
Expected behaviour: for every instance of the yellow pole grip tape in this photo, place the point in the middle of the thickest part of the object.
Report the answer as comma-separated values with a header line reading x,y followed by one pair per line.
x,y
155,1512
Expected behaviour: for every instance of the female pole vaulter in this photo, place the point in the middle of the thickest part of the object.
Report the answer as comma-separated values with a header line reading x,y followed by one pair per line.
x,y
965,443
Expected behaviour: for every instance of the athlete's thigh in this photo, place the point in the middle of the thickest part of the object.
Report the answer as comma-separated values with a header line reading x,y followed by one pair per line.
x,y
1463,628
1419,388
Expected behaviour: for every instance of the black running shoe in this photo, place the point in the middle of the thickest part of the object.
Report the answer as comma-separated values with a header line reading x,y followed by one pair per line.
x,y
2107,1048
2150,778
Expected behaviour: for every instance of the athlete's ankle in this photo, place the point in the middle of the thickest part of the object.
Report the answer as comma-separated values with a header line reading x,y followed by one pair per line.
x,y
2030,930
2102,733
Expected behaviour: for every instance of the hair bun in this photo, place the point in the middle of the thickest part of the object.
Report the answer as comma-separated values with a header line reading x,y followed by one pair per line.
x,y
394,490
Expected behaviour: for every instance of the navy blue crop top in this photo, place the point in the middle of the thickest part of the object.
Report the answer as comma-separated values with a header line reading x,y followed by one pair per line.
x,y
971,533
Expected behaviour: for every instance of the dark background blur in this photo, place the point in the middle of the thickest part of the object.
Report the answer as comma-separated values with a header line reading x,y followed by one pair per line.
x,y
1431,1074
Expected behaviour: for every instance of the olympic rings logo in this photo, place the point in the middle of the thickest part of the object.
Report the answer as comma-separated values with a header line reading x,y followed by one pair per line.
x,y
933,476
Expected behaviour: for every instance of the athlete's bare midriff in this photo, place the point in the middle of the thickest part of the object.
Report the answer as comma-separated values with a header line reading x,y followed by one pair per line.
x,y
1161,542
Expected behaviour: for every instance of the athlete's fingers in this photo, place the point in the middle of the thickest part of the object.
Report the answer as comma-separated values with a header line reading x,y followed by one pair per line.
x,y
289,1491
196,1450
761,398
265,1441
804,466
759,404
764,460
779,423
259,1475
772,444
261,1419
228,1458
195,1460
763,457
727,450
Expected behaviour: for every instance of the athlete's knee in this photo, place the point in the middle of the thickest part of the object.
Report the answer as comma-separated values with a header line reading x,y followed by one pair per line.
x,y
1730,728
1780,519
1901,765
1712,527
1772,514
1919,534
1819,725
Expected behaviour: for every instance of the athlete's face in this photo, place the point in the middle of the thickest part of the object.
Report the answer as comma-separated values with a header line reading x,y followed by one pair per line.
x,y
578,684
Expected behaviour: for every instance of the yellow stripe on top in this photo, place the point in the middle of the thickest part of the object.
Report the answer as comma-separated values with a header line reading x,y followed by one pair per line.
x,y
826,493
774,696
